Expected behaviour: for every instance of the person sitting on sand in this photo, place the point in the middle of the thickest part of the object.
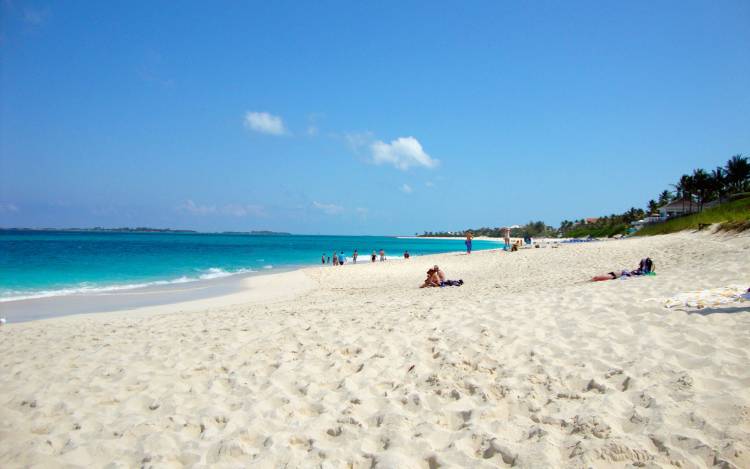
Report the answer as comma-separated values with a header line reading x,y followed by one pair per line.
x,y
432,280
440,273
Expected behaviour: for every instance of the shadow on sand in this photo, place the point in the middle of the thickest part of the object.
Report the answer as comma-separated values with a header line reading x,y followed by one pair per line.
x,y
729,310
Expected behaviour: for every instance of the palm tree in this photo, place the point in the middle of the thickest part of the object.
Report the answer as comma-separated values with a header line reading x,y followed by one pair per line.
x,y
653,206
664,198
719,182
701,186
738,172
684,189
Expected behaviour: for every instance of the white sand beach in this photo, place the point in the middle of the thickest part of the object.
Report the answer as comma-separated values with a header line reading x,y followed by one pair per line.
x,y
526,365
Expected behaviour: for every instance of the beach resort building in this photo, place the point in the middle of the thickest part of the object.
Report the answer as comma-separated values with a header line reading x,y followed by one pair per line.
x,y
677,208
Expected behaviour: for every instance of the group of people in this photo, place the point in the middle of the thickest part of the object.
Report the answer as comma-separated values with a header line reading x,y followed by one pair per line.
x,y
436,278
506,238
340,259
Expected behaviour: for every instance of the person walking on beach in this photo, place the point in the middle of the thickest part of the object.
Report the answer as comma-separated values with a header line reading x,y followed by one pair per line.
x,y
469,237
373,256
354,256
506,237
382,255
342,259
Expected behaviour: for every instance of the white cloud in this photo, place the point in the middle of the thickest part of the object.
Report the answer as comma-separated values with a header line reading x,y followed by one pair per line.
x,y
406,189
196,209
312,130
238,210
264,123
235,210
329,209
429,184
7,207
403,153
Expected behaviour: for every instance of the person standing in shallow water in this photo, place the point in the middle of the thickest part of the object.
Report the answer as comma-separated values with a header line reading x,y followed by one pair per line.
x,y
469,237
373,256
354,256
382,255
335,258
323,259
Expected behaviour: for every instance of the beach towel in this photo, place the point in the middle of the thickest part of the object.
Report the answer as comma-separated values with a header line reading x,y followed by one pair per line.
x,y
709,298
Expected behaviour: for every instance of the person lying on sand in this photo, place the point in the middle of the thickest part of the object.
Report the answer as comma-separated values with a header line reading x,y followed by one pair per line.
x,y
645,267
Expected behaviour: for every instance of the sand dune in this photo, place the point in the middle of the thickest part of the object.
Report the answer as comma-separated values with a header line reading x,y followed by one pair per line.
x,y
526,365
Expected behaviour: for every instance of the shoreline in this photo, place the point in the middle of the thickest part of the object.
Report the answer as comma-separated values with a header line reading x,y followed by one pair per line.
x,y
171,296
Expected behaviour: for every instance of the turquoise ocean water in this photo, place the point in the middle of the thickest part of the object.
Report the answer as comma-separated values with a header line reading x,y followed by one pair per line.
x,y
50,263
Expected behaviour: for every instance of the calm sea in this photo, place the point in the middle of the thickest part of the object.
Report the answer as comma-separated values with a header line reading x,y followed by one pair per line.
x,y
36,264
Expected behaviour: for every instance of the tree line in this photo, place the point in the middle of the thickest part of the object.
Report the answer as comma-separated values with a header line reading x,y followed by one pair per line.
x,y
700,187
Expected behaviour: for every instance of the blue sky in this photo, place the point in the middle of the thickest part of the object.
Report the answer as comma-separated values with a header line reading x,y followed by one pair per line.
x,y
361,118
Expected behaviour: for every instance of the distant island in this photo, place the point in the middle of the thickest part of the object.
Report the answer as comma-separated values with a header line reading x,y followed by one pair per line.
x,y
139,229
144,229
257,233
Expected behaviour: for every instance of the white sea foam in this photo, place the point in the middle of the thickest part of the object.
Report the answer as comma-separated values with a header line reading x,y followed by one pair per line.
x,y
89,288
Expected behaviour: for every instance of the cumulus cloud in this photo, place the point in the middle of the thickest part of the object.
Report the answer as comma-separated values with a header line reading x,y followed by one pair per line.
x,y
264,123
235,210
7,207
403,153
328,209
406,189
